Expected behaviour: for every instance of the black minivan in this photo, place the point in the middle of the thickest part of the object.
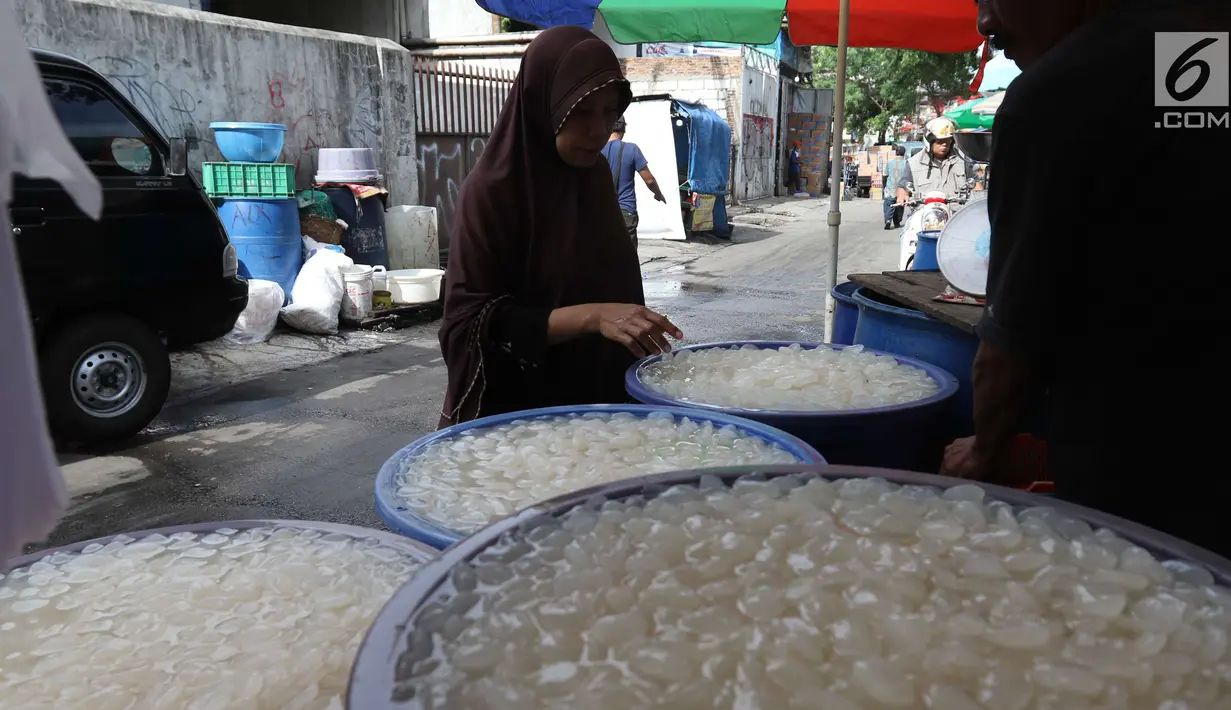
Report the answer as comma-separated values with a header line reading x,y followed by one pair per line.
x,y
108,298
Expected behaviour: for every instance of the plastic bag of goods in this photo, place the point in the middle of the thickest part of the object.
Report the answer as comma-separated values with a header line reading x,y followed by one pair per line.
x,y
260,316
316,297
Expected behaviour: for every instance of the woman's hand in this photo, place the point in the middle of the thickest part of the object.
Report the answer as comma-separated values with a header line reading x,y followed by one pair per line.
x,y
637,328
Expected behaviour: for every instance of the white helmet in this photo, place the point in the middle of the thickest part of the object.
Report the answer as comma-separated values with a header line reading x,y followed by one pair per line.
x,y
939,129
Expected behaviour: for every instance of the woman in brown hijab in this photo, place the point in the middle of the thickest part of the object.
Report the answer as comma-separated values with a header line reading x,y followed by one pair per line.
x,y
543,305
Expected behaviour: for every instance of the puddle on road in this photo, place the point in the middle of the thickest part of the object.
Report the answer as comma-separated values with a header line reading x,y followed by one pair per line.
x,y
94,475
206,441
672,289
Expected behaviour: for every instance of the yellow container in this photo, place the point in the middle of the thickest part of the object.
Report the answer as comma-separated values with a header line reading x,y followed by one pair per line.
x,y
382,300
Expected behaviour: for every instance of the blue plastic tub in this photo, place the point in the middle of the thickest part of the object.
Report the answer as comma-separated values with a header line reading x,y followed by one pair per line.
x,y
905,331
896,436
266,237
241,142
925,252
396,644
845,313
402,520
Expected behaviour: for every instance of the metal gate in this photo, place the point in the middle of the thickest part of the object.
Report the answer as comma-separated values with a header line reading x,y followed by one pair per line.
x,y
456,106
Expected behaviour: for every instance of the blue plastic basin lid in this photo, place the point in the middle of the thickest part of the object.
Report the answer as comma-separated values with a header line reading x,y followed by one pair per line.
x,y
945,381
242,126
404,521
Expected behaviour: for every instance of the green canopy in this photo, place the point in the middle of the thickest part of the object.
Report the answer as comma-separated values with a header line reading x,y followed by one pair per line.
x,y
740,21
966,117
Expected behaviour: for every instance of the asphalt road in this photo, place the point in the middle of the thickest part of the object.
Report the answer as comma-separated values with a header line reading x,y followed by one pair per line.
x,y
306,442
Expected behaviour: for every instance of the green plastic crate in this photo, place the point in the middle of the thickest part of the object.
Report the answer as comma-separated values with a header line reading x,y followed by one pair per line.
x,y
272,180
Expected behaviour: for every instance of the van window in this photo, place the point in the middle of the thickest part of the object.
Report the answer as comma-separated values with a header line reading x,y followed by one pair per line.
x,y
106,139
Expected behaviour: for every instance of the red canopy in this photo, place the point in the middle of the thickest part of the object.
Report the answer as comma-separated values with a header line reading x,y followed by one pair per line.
x,y
929,25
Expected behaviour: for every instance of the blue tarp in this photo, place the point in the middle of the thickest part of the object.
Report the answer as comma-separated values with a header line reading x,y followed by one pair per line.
x,y
709,150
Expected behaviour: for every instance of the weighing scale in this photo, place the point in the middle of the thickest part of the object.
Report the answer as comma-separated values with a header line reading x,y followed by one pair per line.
x,y
964,246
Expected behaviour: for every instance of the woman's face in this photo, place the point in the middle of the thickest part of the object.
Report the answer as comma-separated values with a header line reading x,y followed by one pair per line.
x,y
587,128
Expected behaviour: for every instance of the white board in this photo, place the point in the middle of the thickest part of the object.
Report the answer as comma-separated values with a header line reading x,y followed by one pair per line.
x,y
649,126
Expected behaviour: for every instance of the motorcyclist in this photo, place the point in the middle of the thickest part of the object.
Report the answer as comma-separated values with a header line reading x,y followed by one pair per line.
x,y
937,169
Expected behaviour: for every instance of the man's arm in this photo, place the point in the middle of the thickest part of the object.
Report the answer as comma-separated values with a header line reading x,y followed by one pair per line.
x,y
905,183
651,183
1003,382
643,169
1032,254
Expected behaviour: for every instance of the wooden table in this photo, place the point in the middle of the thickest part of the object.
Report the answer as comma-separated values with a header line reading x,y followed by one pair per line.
x,y
916,289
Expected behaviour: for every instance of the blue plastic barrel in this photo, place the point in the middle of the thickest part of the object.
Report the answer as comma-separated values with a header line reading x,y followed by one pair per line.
x,y
365,239
887,326
898,436
266,237
402,520
845,313
925,252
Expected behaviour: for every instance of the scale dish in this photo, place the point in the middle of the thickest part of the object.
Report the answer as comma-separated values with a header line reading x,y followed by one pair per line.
x,y
964,248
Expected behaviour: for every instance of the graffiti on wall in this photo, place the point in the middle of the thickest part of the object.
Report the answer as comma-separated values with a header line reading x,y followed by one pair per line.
x,y
170,104
444,162
166,97
306,131
757,156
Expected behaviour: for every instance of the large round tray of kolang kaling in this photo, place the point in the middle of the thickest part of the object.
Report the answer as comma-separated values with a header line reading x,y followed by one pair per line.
x,y
254,614
835,588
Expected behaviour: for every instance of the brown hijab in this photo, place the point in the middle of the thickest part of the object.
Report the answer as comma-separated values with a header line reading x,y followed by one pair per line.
x,y
533,233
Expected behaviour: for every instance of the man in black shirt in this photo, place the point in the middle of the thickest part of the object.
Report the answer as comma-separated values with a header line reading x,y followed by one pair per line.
x,y
1109,294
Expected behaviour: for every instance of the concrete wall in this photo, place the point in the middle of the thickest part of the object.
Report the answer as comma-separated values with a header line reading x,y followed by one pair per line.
x,y
755,174
713,81
183,69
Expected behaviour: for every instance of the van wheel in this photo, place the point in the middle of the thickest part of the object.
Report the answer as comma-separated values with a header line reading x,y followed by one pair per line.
x,y
104,378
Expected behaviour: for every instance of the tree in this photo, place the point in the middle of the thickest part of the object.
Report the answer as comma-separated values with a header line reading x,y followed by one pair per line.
x,y
885,85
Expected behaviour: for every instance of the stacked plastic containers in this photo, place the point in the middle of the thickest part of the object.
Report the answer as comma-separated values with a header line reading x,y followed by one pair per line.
x,y
255,197
352,180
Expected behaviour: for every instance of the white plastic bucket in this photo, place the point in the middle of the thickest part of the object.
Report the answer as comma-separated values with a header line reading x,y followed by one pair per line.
x,y
346,165
357,301
414,285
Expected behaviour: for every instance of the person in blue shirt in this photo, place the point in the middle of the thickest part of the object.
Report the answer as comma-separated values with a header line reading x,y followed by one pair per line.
x,y
893,174
626,160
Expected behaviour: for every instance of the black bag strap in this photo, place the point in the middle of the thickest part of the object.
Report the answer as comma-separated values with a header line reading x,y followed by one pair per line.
x,y
617,168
